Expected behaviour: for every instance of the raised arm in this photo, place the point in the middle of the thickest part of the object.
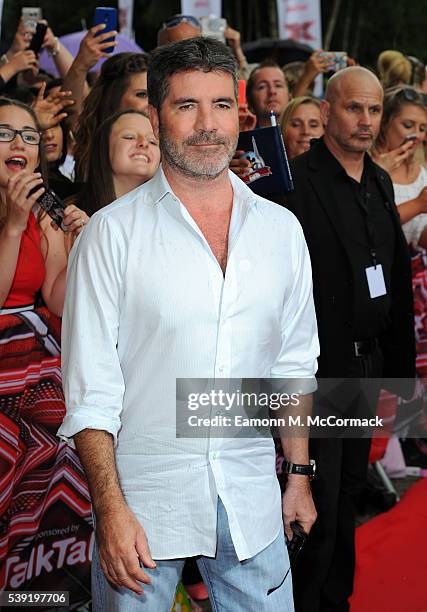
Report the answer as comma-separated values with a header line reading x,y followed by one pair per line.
x,y
60,54
91,50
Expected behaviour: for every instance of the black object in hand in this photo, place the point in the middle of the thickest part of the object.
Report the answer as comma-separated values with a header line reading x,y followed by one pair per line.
x,y
295,545
38,38
53,206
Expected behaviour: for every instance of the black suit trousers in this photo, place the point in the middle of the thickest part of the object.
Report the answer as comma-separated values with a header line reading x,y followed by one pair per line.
x,y
324,573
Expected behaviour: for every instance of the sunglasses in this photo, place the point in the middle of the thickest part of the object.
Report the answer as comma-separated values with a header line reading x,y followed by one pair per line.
x,y
177,19
409,94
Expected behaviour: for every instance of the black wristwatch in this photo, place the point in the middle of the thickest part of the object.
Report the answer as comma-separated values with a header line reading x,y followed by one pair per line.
x,y
300,468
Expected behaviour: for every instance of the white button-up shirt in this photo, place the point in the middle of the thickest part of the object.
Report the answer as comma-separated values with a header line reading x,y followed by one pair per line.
x,y
147,303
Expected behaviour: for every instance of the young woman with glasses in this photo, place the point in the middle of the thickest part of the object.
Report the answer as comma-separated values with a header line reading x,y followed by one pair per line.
x,y
33,260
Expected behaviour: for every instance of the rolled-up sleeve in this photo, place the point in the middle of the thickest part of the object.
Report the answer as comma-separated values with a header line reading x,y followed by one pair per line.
x,y
91,372
300,344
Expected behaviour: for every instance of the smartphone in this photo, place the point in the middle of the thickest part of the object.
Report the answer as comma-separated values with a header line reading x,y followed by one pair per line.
x,y
53,206
409,137
38,38
213,27
30,16
299,538
107,15
241,92
338,59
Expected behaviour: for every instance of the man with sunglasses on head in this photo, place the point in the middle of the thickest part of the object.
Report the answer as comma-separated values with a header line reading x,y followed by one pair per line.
x,y
363,298
189,276
183,27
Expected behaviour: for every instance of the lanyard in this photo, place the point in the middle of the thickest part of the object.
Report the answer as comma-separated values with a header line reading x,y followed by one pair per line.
x,y
362,197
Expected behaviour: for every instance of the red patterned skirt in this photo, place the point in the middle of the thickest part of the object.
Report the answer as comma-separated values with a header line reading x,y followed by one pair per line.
x,y
45,518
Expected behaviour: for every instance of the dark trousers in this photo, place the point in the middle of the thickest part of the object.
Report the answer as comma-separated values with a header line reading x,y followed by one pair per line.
x,y
324,573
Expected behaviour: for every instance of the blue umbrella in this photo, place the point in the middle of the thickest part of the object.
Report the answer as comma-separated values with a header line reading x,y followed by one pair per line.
x,y
72,43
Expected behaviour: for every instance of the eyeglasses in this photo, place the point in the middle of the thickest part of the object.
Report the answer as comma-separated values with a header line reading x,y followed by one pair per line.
x,y
177,19
29,136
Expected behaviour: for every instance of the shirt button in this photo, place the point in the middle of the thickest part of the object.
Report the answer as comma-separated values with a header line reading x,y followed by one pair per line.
x,y
214,455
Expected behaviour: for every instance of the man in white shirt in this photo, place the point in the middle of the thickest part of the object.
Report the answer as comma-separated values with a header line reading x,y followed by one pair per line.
x,y
190,275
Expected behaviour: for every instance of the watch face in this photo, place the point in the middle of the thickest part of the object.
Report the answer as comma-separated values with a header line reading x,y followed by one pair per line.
x,y
313,465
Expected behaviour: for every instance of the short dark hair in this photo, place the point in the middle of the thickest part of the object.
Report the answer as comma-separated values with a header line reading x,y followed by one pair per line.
x,y
204,54
267,63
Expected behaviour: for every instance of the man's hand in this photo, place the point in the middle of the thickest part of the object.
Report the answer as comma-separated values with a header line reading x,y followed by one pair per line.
x,y
49,110
297,504
122,547
92,47
392,160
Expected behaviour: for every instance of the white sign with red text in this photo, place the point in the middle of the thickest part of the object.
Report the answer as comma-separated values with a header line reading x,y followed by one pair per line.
x,y
300,20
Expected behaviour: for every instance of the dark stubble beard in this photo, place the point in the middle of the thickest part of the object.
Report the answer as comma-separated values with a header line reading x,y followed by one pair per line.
x,y
198,163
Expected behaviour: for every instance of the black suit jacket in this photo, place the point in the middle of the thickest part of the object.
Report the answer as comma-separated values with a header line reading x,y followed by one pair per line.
x,y
332,274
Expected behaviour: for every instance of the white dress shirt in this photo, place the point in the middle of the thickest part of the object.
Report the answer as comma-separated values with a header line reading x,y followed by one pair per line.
x,y
147,303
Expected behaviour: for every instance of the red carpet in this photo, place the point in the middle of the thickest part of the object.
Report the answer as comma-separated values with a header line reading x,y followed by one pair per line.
x,y
391,574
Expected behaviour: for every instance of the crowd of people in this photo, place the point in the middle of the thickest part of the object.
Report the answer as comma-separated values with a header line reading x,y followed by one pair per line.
x,y
153,294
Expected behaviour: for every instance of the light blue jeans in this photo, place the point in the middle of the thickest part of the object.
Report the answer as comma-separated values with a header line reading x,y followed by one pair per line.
x,y
262,583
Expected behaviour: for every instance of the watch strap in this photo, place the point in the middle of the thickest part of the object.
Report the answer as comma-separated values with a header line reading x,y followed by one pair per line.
x,y
303,469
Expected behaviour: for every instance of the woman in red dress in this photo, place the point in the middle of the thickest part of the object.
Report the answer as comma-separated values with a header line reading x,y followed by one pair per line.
x,y
33,259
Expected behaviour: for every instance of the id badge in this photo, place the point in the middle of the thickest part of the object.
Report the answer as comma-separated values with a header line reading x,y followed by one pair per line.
x,y
376,282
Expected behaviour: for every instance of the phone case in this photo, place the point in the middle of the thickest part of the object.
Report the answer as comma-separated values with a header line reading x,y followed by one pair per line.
x,y
38,38
53,206
107,15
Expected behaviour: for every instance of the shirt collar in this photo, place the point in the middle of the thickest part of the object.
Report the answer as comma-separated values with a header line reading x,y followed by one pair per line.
x,y
159,187
337,168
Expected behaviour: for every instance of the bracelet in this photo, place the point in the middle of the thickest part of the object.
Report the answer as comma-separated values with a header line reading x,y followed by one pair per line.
x,y
57,48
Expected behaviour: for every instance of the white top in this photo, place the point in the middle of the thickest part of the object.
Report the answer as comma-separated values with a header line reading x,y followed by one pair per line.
x,y
402,193
147,303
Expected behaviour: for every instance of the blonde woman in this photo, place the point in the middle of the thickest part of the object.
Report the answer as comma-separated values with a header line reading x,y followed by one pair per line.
x,y
300,123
